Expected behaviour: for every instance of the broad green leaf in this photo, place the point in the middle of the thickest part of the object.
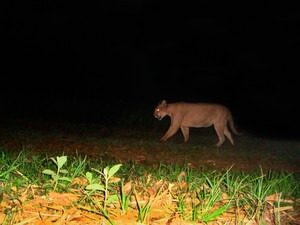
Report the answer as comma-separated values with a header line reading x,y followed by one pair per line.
x,y
105,171
64,171
65,178
95,187
113,170
61,161
112,198
54,160
89,177
55,177
48,172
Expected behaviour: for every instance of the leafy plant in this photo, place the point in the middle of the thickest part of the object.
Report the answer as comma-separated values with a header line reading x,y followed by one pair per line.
x,y
57,179
107,174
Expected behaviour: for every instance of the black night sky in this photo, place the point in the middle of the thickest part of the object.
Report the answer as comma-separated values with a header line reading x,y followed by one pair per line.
x,y
77,60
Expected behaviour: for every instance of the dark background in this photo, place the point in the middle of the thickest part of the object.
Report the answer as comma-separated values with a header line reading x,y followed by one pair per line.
x,y
85,61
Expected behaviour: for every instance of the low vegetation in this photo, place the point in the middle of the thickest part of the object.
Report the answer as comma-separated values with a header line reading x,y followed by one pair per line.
x,y
94,175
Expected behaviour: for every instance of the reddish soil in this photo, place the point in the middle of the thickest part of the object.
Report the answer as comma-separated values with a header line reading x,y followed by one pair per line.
x,y
249,153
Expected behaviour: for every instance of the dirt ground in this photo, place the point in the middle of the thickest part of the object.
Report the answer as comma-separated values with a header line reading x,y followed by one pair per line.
x,y
249,153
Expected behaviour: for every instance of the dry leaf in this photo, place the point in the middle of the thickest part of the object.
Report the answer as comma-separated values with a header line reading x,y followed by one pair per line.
x,y
127,188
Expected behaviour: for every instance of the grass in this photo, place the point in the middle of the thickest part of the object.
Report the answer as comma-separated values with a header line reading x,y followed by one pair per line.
x,y
199,196
54,173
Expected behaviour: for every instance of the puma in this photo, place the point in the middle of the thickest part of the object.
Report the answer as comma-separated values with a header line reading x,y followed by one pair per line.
x,y
185,115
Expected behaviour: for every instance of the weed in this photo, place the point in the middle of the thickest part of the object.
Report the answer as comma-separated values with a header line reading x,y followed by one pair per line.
x,y
57,179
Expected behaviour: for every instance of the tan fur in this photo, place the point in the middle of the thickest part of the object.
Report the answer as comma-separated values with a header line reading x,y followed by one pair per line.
x,y
185,115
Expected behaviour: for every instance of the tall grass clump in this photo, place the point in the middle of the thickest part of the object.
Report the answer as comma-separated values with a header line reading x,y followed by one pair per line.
x,y
262,186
